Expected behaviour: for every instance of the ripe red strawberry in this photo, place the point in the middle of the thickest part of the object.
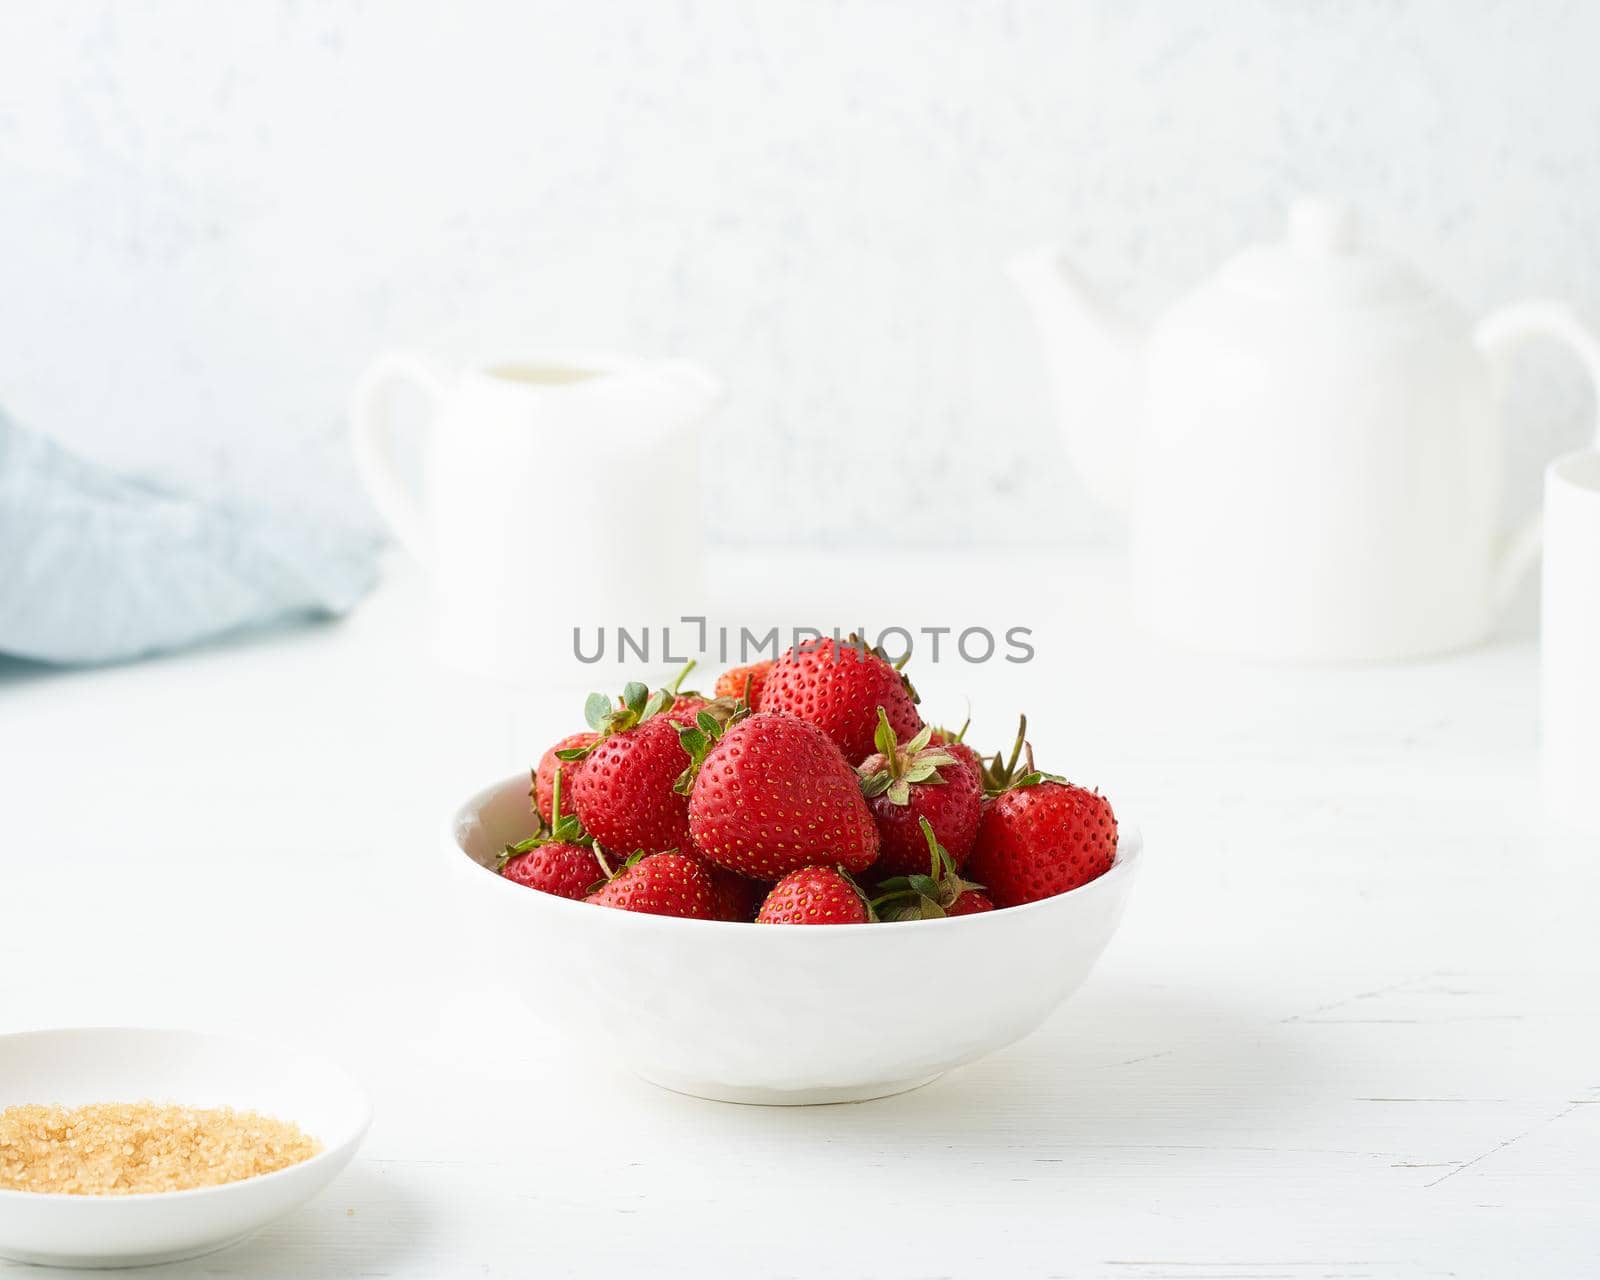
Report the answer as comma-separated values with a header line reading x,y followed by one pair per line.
x,y
563,863
970,903
737,897
623,793
839,687
814,895
953,742
660,884
908,785
566,870
1041,837
769,794
685,710
544,776
927,897
685,705
745,683
968,759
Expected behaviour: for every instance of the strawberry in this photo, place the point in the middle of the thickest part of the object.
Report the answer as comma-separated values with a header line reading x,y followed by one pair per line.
x,y
566,870
970,903
814,895
744,683
769,794
563,863
839,688
916,784
624,792
550,763
953,742
687,704
968,759
998,773
928,897
1040,835
684,710
737,897
660,884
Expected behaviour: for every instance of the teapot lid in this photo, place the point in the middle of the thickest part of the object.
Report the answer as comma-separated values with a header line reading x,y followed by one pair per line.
x,y
1322,261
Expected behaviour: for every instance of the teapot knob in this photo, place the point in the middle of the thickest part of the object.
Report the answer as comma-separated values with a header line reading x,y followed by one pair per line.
x,y
1320,227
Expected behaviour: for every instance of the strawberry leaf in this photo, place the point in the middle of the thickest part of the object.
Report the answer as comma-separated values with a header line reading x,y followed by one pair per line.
x,y
634,696
697,740
512,850
911,906
883,736
694,741
876,784
595,710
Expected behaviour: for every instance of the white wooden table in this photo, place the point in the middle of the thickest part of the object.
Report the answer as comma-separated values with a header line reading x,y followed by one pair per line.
x,y
1350,1028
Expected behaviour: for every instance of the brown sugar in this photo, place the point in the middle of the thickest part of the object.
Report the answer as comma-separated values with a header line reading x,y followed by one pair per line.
x,y
130,1148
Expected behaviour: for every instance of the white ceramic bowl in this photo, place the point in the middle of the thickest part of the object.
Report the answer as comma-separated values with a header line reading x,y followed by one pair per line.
x,y
75,1067
770,1013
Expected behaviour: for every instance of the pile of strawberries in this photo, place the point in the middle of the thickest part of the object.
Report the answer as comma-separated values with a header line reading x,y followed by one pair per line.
x,y
807,790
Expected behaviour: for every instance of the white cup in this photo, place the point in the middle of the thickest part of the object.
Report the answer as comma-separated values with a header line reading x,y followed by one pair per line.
x,y
1570,632
558,490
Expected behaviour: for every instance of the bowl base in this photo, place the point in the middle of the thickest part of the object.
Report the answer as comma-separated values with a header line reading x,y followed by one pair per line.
x,y
715,1091
118,1261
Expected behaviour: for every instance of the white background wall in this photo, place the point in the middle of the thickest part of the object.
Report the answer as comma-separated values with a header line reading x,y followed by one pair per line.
x,y
212,214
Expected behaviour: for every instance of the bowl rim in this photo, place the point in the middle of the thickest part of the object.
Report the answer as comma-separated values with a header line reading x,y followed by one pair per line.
x,y
1129,856
348,1144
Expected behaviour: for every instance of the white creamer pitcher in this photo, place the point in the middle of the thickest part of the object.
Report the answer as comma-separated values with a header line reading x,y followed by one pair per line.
x,y
557,490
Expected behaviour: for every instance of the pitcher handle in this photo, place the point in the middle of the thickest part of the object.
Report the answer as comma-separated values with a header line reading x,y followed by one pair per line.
x,y
372,435
1498,336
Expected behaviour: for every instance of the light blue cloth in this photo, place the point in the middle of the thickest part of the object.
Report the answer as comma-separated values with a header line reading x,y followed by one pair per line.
x,y
97,567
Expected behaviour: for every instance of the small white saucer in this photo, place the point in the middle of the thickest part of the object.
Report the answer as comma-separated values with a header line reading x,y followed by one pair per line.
x,y
74,1067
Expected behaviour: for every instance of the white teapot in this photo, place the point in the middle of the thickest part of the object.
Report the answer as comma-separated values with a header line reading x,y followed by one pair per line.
x,y
1306,445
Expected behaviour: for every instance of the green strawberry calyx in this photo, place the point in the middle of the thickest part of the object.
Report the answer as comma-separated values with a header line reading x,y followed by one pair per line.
x,y
949,736
915,763
922,897
636,705
1001,774
721,708
698,738
631,861
564,829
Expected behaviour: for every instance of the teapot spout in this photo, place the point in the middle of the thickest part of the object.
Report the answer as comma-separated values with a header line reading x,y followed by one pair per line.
x,y
1095,358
